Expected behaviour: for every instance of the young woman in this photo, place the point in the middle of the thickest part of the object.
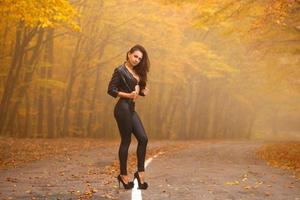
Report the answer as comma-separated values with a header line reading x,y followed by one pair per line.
x,y
128,82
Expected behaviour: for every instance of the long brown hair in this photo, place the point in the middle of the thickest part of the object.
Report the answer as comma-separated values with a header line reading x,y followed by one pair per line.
x,y
143,67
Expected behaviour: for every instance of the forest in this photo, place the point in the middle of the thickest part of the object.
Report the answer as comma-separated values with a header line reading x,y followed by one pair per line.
x,y
222,112
219,69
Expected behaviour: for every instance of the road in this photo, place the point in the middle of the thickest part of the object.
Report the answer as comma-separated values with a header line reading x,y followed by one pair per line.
x,y
204,170
223,170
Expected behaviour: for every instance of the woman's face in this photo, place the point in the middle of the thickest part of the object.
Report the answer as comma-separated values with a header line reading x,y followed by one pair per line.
x,y
135,57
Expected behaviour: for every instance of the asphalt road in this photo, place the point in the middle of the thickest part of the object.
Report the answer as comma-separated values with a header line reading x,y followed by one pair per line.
x,y
202,170
223,170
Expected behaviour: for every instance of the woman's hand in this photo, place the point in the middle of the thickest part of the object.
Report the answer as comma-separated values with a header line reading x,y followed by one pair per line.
x,y
132,95
145,91
137,91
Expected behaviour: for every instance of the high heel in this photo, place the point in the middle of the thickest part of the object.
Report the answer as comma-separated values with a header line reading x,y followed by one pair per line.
x,y
142,186
127,186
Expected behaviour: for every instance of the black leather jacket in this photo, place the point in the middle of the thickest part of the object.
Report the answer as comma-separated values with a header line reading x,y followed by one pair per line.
x,y
123,81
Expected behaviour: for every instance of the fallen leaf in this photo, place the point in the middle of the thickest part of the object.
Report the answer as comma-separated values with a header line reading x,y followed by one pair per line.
x,y
232,183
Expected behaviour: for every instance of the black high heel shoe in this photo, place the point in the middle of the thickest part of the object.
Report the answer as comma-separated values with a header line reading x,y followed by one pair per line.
x,y
142,186
127,186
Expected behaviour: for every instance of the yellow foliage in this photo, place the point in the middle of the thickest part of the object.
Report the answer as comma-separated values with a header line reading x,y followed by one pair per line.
x,y
46,13
207,62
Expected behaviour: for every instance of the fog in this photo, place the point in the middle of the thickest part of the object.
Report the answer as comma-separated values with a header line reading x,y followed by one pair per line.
x,y
218,70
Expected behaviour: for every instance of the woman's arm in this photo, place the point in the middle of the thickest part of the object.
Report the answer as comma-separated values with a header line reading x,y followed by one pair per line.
x,y
112,89
131,95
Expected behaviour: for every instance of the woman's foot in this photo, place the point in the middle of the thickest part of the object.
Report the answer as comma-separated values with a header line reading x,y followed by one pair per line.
x,y
125,178
125,181
140,176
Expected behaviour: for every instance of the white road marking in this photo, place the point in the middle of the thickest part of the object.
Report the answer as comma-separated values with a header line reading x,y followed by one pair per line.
x,y
136,194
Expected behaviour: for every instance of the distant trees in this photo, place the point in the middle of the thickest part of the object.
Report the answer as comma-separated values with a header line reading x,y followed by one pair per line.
x,y
24,27
269,63
210,65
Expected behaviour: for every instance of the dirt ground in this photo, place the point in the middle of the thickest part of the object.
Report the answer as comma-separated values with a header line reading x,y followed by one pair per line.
x,y
208,170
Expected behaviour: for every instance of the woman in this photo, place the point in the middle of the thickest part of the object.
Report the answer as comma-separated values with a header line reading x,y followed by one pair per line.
x,y
127,82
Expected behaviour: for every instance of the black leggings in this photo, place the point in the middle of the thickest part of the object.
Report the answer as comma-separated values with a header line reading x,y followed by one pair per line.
x,y
129,122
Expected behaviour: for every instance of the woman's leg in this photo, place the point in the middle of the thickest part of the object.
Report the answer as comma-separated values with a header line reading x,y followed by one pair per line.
x,y
124,121
123,151
140,134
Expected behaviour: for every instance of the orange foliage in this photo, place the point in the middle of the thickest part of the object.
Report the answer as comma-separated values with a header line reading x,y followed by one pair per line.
x,y
15,152
284,155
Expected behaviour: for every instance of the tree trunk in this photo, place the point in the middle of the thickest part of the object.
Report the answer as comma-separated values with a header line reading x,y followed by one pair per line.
x,y
50,106
27,116
13,71
41,93
80,130
27,79
170,115
66,102
211,111
92,105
